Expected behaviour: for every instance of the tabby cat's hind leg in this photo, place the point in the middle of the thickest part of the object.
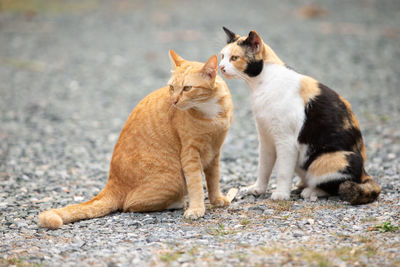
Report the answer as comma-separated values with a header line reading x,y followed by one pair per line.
x,y
179,204
147,198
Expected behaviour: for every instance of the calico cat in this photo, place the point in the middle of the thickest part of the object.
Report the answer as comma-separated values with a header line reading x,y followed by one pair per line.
x,y
303,127
171,137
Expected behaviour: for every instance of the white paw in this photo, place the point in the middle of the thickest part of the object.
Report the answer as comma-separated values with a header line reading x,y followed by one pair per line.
x,y
253,190
306,193
312,193
278,195
194,213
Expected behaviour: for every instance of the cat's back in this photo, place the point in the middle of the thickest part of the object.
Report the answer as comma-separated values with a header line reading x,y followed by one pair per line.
x,y
330,124
148,132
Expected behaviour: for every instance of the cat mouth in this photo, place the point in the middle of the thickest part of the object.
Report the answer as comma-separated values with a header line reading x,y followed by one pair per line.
x,y
228,76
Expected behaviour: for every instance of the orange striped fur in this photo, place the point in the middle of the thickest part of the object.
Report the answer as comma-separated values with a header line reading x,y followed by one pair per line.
x,y
171,137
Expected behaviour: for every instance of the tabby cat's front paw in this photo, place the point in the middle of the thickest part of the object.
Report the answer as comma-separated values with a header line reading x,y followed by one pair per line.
x,y
220,202
194,213
278,195
253,190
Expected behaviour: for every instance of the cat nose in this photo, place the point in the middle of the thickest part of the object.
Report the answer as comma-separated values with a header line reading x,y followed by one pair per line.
x,y
222,68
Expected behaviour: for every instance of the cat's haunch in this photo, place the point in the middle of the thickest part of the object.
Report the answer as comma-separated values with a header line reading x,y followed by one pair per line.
x,y
171,137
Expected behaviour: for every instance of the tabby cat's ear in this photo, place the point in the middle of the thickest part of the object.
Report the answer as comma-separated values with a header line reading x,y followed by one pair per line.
x,y
210,68
231,37
254,41
176,60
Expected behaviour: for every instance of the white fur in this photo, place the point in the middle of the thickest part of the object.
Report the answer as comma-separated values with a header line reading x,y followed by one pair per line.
x,y
312,193
279,112
313,180
230,70
211,108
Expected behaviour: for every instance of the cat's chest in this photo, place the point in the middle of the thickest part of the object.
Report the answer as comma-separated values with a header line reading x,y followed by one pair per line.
x,y
276,103
209,146
205,136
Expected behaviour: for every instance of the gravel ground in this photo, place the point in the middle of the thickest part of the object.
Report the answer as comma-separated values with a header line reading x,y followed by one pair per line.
x,y
72,72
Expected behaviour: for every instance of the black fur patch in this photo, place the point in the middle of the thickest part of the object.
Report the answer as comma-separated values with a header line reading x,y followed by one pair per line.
x,y
254,68
355,168
323,130
231,37
331,187
243,43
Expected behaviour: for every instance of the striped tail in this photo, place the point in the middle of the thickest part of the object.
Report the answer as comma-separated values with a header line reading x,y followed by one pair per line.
x,y
104,203
360,193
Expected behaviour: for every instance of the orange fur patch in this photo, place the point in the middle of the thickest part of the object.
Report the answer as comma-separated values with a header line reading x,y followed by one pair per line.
x,y
241,63
329,163
353,123
308,89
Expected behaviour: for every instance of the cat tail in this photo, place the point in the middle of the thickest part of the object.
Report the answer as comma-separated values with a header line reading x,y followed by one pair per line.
x,y
360,193
104,203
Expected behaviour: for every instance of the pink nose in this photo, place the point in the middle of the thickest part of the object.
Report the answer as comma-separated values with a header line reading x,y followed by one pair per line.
x,y
222,68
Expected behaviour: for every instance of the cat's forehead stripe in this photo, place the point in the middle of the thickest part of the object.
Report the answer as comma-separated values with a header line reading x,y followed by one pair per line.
x,y
227,49
233,49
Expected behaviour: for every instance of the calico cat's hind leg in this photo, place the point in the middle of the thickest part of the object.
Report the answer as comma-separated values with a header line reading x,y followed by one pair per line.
x,y
312,193
341,173
328,171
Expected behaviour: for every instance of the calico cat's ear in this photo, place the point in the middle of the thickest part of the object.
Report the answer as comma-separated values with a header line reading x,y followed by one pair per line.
x,y
231,36
254,41
210,68
176,60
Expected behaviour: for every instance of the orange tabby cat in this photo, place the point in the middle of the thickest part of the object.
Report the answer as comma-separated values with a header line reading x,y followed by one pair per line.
x,y
170,138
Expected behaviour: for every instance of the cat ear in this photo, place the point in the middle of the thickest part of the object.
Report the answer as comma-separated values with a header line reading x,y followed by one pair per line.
x,y
176,60
231,36
210,68
254,41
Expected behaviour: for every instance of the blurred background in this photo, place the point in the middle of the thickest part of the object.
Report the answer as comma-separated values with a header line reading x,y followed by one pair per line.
x,y
71,72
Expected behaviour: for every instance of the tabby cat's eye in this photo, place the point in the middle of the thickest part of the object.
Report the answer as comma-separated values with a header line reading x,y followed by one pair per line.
x,y
171,88
234,58
187,88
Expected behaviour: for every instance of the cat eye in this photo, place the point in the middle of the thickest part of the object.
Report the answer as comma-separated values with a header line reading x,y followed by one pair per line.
x,y
234,58
187,88
222,56
171,88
